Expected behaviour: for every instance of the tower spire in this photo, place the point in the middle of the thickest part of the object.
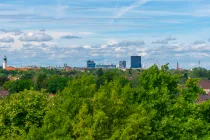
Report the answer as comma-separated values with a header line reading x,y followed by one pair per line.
x,y
5,62
177,66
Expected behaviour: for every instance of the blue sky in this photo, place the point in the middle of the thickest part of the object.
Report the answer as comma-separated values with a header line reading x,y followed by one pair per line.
x,y
54,32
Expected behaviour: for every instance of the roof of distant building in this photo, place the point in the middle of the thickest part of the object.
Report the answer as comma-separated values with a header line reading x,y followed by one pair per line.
x,y
52,95
21,69
203,98
3,93
204,84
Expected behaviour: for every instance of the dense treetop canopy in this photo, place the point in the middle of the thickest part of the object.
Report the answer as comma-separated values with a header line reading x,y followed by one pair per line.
x,y
111,104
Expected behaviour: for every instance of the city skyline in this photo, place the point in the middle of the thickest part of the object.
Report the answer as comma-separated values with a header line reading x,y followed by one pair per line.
x,y
59,31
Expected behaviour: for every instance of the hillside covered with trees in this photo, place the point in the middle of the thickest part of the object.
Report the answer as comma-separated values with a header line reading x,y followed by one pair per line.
x,y
152,104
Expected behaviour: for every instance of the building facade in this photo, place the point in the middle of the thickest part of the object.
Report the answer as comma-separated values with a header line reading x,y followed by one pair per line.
x,y
136,62
106,66
205,85
122,64
91,64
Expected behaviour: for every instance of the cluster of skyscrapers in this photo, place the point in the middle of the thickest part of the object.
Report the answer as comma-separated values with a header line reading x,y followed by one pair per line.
x,y
135,63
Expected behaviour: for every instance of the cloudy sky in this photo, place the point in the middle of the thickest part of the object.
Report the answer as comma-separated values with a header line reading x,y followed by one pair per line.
x,y
54,32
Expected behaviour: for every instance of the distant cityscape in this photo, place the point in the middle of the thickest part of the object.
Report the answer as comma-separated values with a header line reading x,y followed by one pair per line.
x,y
135,61
135,64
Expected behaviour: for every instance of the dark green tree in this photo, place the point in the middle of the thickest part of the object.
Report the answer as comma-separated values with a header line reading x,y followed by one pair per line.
x,y
199,73
3,79
17,86
40,81
56,83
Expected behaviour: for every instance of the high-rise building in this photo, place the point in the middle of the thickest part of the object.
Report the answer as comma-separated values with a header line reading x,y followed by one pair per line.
x,y
91,64
122,64
136,62
65,65
5,62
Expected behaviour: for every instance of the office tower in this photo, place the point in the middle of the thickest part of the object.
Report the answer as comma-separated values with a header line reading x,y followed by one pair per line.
x,y
91,64
135,61
122,64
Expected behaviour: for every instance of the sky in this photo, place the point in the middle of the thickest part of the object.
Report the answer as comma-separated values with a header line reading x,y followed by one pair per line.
x,y
54,32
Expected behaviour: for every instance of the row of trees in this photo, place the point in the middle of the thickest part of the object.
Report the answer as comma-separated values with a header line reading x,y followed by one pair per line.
x,y
52,84
109,107
53,81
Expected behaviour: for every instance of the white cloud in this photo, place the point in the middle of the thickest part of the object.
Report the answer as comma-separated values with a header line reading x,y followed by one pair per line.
x,y
16,32
164,41
198,42
70,37
60,34
128,44
169,38
160,42
4,46
35,37
42,30
7,39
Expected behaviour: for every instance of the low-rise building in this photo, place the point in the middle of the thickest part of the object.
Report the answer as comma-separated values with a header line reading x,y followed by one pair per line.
x,y
205,85
111,66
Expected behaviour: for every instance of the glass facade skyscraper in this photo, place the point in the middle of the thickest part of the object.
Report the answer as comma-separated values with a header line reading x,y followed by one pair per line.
x,y
91,64
135,61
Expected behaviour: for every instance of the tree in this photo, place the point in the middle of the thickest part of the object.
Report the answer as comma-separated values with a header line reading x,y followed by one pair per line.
x,y
175,116
59,119
6,85
199,73
17,86
40,81
57,83
156,108
28,75
19,112
100,72
3,79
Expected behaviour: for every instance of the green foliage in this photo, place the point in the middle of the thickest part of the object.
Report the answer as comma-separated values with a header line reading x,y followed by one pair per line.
x,y
106,105
100,72
17,86
191,93
200,73
21,111
40,81
28,75
3,79
61,112
204,111
107,76
56,83
6,73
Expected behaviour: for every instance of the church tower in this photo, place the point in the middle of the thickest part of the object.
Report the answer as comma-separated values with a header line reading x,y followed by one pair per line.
x,y
5,62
